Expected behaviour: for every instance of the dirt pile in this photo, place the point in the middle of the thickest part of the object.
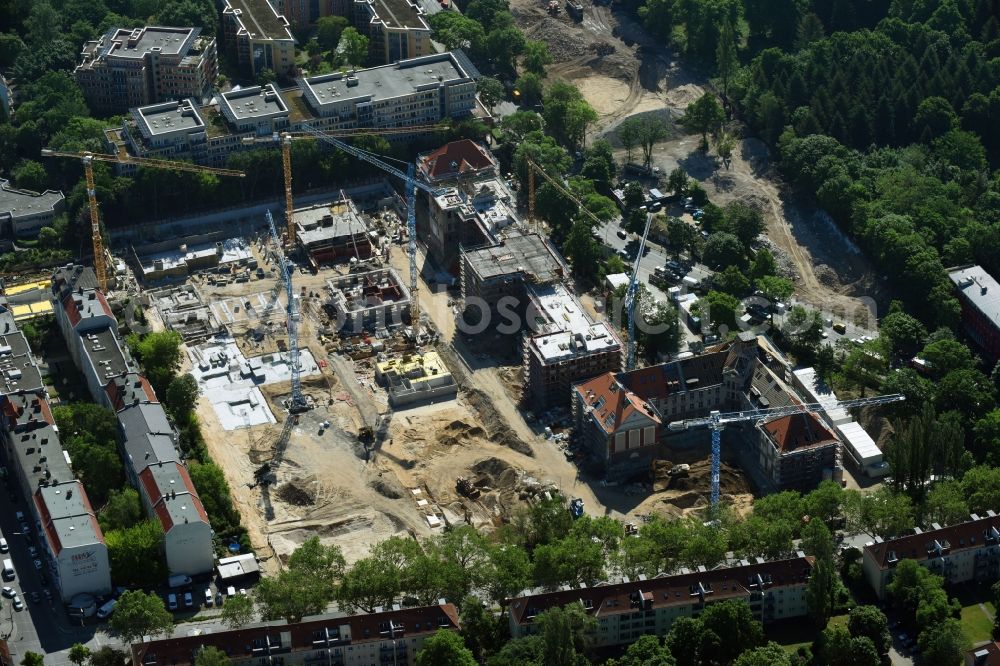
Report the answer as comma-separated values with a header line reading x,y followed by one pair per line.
x,y
683,95
564,43
298,492
387,486
457,433
497,430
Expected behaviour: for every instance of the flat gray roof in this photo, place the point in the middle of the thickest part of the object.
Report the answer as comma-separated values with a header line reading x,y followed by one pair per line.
x,y
528,254
148,437
13,344
385,82
108,359
66,500
323,222
24,203
170,41
68,278
253,102
76,531
980,289
168,117
32,447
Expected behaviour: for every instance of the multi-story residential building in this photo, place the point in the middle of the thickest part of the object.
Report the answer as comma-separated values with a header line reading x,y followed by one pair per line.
x,y
71,543
127,68
966,552
146,437
566,346
625,611
383,637
979,294
258,37
23,213
473,205
415,92
396,29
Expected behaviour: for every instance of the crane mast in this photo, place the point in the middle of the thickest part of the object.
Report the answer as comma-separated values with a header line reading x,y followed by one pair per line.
x,y
716,421
630,297
409,178
298,401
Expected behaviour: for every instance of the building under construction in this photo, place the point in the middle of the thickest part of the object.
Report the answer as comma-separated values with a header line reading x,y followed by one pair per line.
x,y
330,233
416,379
371,301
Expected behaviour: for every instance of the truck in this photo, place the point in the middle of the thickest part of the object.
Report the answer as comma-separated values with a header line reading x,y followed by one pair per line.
x,y
574,9
178,580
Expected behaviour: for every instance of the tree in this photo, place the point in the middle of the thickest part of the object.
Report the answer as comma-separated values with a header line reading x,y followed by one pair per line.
x,y
567,114
108,656
629,131
503,45
456,31
945,503
32,659
138,614
986,438
238,611
354,46
658,328
160,355
821,591
123,510
491,92
652,131
329,30
744,221
906,334
677,182
484,633
732,281
775,288
136,553
210,655
871,623
646,651
79,654
723,249
734,620
182,395
882,513
771,654
968,392
703,116
634,197
582,249
506,573
942,644
306,586
947,355
934,118
721,309
536,56
726,60
444,648
836,647
30,175
530,86
565,634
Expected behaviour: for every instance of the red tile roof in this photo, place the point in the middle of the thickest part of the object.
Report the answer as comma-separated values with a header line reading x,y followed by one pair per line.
x,y
971,534
122,389
665,591
240,644
456,158
71,310
798,431
612,403
159,497
39,411
992,655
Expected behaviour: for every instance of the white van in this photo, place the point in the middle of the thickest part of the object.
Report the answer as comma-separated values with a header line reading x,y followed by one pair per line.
x,y
107,609
3,545
8,570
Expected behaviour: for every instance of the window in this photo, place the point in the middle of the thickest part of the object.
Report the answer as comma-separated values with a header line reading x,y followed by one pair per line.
x,y
649,435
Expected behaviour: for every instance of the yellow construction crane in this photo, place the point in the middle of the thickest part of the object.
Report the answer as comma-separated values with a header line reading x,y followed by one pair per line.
x,y
532,168
284,140
88,159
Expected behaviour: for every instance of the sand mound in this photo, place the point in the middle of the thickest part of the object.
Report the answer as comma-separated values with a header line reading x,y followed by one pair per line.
x,y
387,486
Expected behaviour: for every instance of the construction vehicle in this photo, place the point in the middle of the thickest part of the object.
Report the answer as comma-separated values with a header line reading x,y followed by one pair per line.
x,y
574,9
101,260
553,7
409,177
717,421
466,488
576,508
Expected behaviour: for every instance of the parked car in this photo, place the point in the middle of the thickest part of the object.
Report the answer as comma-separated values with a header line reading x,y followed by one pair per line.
x,y
188,600
32,552
172,601
38,565
621,233
208,596
9,592
3,545
218,598
18,604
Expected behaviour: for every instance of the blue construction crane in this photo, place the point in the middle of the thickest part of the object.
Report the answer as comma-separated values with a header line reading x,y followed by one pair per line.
x,y
716,421
411,203
631,294
298,402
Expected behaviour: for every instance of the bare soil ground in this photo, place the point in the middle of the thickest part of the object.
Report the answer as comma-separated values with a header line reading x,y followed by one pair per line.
x,y
623,72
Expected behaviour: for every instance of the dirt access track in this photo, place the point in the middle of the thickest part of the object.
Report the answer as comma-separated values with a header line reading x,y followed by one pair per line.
x,y
624,72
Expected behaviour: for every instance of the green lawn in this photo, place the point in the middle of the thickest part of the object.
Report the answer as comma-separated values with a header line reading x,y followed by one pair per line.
x,y
976,625
793,634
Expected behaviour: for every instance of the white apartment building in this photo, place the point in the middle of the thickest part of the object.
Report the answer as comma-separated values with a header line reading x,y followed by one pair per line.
x,y
627,610
967,552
